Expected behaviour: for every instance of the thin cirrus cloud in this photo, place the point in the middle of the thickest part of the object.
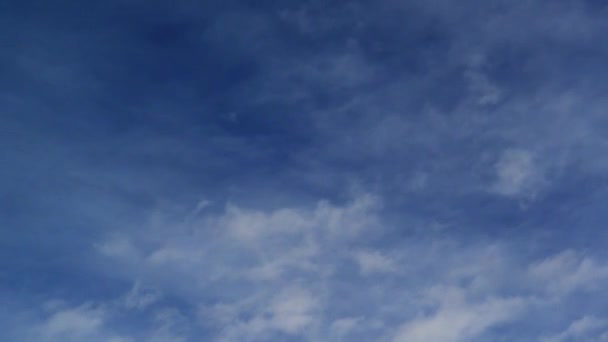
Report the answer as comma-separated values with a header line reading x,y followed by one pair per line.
x,y
323,171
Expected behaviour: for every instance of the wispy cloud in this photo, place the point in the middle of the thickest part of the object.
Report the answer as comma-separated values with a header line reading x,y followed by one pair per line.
x,y
386,171
568,272
295,269
584,328
374,262
456,319
518,174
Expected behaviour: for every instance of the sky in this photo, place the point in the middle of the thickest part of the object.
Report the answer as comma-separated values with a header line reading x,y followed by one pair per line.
x,y
390,170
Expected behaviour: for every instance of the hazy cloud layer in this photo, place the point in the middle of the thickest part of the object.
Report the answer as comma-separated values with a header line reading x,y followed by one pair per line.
x,y
319,171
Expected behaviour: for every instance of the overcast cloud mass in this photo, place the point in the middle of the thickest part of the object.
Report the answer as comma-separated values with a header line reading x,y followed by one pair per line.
x,y
392,170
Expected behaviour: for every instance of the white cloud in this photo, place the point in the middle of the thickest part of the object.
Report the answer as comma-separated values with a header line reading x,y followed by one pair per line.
x,y
259,245
363,102
302,257
173,255
582,329
77,322
168,323
87,322
94,321
458,319
481,87
342,327
517,174
141,297
352,219
292,311
567,272
371,262
278,273
290,249
118,247
251,226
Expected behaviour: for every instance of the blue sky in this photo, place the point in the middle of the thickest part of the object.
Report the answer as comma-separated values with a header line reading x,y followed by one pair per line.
x,y
303,171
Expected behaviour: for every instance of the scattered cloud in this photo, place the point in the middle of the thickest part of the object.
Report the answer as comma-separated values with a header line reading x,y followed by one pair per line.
x,y
481,87
586,328
371,262
141,297
458,319
341,328
63,323
518,174
294,311
70,324
568,272
290,258
314,171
